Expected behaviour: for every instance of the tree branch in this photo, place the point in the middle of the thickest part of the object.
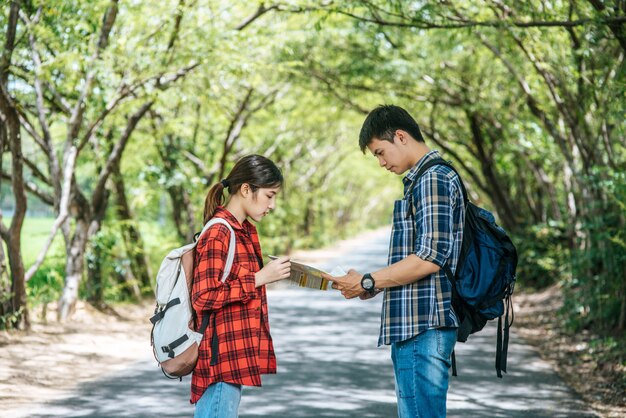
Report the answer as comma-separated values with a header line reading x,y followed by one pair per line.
x,y
36,172
79,108
237,123
44,143
116,153
424,24
338,95
63,211
32,188
177,20
195,160
4,231
460,162
28,127
259,12
564,107
125,91
9,43
58,100
616,27
531,101
41,107
107,24
164,80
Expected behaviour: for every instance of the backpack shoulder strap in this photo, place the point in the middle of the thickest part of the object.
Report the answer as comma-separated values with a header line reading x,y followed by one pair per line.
x,y
420,173
432,163
231,246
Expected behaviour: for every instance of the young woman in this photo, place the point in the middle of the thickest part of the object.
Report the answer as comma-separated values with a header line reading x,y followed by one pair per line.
x,y
237,347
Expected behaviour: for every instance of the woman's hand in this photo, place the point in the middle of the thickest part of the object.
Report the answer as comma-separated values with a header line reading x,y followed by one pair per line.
x,y
273,271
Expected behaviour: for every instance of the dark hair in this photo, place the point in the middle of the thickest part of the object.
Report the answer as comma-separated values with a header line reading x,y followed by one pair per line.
x,y
382,123
256,170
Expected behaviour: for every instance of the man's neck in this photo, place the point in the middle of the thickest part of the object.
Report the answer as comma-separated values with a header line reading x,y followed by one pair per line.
x,y
418,151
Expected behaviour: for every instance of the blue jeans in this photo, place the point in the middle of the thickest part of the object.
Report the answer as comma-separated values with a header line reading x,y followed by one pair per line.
x,y
219,400
421,367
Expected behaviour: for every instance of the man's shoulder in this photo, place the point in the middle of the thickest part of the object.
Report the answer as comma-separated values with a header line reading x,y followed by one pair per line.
x,y
436,175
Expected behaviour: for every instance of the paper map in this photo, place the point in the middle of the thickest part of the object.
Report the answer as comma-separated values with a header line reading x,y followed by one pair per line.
x,y
306,276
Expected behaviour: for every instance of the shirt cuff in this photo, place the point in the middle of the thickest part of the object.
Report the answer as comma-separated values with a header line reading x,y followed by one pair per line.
x,y
431,255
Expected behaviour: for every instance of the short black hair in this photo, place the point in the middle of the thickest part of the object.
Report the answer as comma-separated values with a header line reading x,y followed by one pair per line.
x,y
382,123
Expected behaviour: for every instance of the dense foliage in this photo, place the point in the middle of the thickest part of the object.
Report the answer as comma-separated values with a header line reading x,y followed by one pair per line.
x,y
144,105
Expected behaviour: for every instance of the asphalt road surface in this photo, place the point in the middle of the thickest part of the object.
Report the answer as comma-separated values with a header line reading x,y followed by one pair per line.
x,y
329,366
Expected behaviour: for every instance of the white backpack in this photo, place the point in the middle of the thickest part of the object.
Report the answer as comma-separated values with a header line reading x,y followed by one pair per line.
x,y
174,341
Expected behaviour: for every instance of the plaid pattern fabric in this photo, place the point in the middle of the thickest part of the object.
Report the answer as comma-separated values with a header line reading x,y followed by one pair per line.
x,y
240,309
428,222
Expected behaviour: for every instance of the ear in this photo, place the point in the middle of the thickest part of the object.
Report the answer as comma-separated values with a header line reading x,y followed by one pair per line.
x,y
402,136
245,189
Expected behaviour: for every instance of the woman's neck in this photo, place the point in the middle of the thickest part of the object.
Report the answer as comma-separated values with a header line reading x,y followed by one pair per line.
x,y
236,209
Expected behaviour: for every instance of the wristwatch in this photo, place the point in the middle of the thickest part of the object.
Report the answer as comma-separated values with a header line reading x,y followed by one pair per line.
x,y
368,283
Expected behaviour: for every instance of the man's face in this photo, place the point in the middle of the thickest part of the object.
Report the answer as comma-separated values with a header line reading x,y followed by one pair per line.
x,y
392,156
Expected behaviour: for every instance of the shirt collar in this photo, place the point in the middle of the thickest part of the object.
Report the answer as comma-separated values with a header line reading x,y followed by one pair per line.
x,y
410,176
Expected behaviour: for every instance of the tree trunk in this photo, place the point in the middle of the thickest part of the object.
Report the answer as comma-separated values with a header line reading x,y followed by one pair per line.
x,y
12,235
498,193
75,248
192,226
130,287
73,270
528,191
182,212
621,323
95,284
183,219
308,217
100,202
5,283
5,278
133,241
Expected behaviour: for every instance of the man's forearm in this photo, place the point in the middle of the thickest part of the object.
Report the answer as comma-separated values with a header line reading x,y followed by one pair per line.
x,y
408,270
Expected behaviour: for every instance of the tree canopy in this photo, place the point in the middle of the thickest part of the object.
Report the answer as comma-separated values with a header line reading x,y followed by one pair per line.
x,y
119,115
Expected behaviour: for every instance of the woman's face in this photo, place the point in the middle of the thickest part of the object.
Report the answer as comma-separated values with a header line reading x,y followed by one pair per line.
x,y
259,204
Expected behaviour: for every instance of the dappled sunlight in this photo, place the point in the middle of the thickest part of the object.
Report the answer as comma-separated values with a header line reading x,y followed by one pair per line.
x,y
329,366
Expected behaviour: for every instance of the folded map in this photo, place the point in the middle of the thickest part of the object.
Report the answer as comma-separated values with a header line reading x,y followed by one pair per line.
x,y
304,275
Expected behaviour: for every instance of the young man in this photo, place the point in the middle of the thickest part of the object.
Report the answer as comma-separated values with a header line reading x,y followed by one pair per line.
x,y
417,318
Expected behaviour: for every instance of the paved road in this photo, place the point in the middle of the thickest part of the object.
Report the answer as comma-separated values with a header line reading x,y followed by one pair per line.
x,y
329,366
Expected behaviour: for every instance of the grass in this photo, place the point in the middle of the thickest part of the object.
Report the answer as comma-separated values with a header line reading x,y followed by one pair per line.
x,y
36,230
35,233
47,283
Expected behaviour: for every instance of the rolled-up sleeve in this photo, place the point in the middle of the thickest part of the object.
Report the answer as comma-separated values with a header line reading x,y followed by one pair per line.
x,y
209,293
433,199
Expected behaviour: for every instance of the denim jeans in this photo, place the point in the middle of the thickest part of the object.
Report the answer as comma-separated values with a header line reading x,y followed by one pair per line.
x,y
220,400
421,366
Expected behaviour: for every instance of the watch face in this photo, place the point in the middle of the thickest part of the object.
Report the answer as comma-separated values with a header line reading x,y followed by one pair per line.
x,y
368,283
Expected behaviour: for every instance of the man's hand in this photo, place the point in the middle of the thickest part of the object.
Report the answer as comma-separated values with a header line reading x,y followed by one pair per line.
x,y
349,285
367,295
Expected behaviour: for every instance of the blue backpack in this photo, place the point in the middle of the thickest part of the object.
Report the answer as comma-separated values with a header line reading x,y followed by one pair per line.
x,y
484,279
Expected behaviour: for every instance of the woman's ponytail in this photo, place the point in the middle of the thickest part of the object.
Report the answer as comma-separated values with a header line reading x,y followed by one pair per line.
x,y
214,198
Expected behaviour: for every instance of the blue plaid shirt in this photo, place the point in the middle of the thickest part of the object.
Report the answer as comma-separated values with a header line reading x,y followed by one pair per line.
x,y
428,222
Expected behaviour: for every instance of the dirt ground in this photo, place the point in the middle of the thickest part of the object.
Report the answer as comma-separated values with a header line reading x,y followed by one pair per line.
x,y
52,359
600,385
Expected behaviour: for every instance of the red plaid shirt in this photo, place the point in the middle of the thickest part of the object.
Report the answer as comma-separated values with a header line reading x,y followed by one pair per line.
x,y
240,309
